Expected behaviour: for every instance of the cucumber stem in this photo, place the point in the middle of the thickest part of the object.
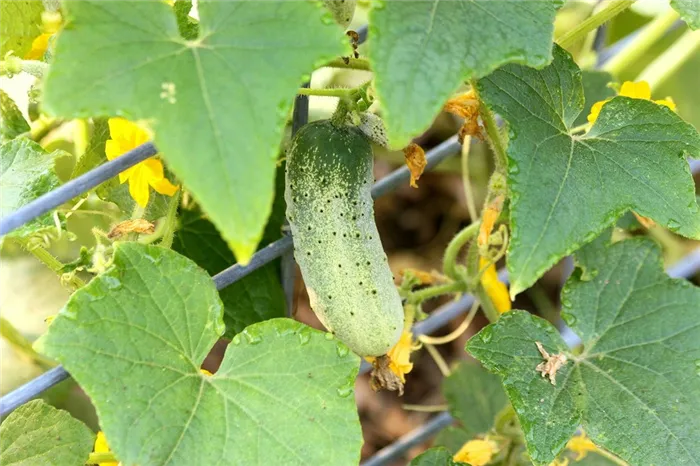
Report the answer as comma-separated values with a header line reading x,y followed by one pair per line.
x,y
449,262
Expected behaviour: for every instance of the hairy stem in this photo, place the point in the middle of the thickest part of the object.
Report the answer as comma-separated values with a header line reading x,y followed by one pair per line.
x,y
437,290
609,11
171,221
340,92
52,263
10,334
449,262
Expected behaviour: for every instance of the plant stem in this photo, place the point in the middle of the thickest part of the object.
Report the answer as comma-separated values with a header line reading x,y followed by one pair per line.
x,y
425,408
352,63
668,62
15,65
102,457
324,92
439,360
52,263
644,40
171,221
609,11
454,334
449,262
466,181
437,290
21,344
493,133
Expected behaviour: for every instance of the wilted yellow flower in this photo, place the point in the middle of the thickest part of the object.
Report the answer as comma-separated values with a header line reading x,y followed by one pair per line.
x,y
476,452
205,372
640,90
581,445
101,446
400,356
125,137
496,289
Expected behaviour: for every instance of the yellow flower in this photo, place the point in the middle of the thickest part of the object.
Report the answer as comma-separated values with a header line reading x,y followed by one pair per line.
x,y
400,356
39,47
581,445
476,452
205,372
560,462
101,446
496,289
640,90
125,137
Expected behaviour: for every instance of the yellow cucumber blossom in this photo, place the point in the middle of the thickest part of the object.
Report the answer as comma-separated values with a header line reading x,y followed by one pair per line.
x,y
639,90
581,445
400,356
125,137
101,446
476,452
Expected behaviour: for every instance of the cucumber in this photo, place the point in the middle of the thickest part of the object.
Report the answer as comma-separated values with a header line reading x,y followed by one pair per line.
x,y
331,214
342,10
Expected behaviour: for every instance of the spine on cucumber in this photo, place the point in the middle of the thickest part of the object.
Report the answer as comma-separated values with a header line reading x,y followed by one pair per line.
x,y
330,211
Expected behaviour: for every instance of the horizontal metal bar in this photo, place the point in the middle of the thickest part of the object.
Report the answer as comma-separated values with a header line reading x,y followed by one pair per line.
x,y
32,389
269,253
383,186
75,187
411,439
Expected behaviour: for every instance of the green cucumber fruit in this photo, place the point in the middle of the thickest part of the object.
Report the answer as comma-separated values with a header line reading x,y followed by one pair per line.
x,y
342,10
331,214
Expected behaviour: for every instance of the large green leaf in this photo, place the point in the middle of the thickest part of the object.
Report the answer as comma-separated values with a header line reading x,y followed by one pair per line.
x,y
134,338
422,51
256,297
39,434
565,189
689,11
635,388
26,172
474,397
20,25
218,103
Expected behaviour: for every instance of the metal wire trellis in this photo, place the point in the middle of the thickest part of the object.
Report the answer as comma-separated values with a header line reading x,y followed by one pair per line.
x,y
688,266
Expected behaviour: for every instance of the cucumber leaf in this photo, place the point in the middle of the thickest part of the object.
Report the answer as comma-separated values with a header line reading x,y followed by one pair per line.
x,y
438,456
283,390
634,388
474,397
565,189
39,434
218,103
421,51
12,122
